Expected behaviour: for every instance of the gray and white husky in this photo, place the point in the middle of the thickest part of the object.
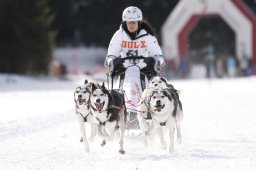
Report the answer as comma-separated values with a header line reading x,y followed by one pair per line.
x,y
144,117
83,112
166,112
155,82
109,113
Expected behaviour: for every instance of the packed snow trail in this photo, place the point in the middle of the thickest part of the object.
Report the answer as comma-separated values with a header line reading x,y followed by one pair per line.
x,y
38,129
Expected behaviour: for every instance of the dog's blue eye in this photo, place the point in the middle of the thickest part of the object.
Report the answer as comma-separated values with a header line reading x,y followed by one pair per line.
x,y
162,96
154,97
101,94
84,91
77,91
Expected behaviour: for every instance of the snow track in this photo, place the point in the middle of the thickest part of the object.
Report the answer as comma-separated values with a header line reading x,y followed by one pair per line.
x,y
219,130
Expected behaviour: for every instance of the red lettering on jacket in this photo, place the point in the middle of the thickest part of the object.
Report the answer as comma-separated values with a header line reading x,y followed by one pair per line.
x,y
133,44
123,44
143,45
130,44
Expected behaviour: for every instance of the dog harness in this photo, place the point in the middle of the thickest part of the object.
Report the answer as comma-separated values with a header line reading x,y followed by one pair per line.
x,y
163,123
85,118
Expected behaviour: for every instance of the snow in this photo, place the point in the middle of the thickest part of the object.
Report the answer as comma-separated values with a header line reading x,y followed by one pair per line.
x,y
38,129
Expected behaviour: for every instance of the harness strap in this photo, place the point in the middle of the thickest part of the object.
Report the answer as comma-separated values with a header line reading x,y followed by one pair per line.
x,y
85,118
101,123
163,123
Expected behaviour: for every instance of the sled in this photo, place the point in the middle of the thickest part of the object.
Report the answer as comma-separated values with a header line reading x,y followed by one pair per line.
x,y
132,81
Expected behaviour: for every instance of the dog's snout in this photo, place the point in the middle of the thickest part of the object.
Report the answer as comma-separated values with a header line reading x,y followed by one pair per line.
x,y
156,85
98,101
79,96
158,102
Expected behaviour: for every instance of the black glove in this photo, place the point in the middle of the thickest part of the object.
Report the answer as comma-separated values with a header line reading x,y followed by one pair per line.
x,y
118,66
149,70
153,64
118,62
150,61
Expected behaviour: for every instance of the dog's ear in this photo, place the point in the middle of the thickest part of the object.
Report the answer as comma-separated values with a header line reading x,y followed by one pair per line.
x,y
85,82
170,86
93,87
103,85
151,79
163,79
88,89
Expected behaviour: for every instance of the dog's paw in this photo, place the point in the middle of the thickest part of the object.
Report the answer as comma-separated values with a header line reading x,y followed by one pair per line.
x,y
121,151
103,143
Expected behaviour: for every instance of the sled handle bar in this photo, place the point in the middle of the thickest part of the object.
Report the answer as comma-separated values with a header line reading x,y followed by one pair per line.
x,y
134,58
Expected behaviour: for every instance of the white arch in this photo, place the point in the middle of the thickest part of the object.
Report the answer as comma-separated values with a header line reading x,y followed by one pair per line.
x,y
175,22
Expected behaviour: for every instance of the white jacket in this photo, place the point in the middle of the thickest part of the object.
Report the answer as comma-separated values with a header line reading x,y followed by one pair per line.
x,y
144,45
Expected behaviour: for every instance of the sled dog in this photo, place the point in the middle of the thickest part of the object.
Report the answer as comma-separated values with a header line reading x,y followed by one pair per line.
x,y
144,117
83,112
155,82
166,112
109,113
159,82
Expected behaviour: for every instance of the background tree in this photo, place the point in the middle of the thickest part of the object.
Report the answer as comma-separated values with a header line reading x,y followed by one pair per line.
x,y
26,37
93,22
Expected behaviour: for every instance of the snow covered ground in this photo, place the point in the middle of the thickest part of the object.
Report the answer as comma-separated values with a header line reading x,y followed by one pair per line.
x,y
38,129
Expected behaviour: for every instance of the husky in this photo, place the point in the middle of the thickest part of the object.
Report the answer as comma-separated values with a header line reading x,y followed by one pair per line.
x,y
159,82
109,113
154,83
166,112
83,112
144,117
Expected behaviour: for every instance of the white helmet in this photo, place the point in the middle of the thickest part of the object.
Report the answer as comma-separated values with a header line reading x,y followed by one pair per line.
x,y
132,13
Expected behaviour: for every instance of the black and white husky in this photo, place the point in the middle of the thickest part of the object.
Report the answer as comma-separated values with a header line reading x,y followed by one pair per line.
x,y
166,112
155,82
83,112
144,117
108,108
